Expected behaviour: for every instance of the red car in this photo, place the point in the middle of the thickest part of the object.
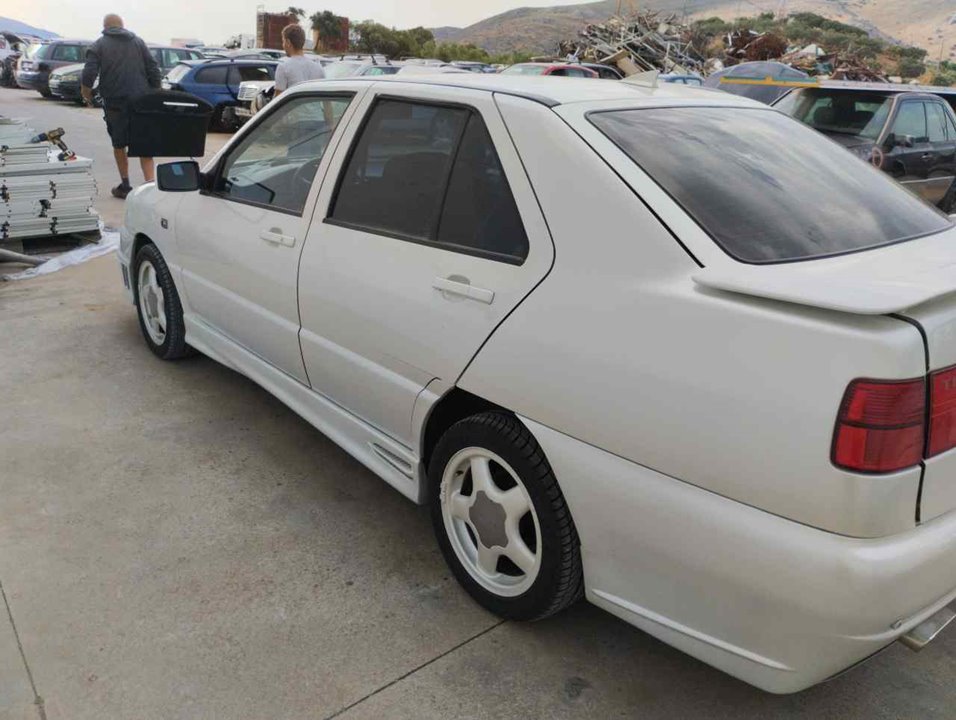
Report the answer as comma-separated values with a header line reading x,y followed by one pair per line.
x,y
556,69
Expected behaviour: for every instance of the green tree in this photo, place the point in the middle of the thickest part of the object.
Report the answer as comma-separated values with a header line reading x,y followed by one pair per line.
x,y
295,12
326,27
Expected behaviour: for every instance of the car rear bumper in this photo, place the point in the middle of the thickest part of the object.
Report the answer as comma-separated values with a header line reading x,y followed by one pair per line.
x,y
32,80
775,603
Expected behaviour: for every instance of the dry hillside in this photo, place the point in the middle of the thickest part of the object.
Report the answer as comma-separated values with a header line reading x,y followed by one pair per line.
x,y
930,24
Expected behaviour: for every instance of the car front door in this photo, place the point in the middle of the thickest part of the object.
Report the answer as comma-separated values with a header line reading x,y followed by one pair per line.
x,y
239,241
908,155
427,240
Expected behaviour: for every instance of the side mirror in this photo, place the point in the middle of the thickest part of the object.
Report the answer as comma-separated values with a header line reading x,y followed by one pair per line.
x,y
178,176
894,140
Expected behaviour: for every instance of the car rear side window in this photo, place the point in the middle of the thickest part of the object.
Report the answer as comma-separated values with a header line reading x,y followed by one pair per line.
x,y
69,53
430,174
215,75
764,187
480,212
254,72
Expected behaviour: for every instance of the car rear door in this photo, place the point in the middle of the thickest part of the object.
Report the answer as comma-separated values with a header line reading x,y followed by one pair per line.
x,y
426,236
239,240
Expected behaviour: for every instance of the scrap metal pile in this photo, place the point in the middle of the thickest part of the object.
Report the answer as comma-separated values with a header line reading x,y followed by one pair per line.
x,y
748,46
44,190
646,41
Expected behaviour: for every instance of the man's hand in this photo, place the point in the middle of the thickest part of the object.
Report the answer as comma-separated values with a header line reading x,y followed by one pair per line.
x,y
87,94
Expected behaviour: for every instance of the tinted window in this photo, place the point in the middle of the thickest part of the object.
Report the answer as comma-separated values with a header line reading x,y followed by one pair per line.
x,y
910,120
157,56
936,122
765,188
68,53
215,75
480,214
396,175
276,163
254,72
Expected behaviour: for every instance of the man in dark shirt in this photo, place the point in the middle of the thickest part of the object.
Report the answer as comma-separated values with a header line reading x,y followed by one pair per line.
x,y
126,69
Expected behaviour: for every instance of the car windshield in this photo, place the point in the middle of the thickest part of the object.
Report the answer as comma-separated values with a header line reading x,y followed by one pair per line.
x,y
846,112
524,70
765,188
177,73
341,69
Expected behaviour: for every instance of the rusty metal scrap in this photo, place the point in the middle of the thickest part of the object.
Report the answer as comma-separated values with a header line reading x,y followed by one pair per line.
x,y
747,45
646,41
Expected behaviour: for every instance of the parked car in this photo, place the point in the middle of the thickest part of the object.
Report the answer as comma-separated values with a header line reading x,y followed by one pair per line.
x,y
727,417
552,69
12,48
217,82
605,72
695,80
472,66
34,73
64,82
360,68
907,133
256,54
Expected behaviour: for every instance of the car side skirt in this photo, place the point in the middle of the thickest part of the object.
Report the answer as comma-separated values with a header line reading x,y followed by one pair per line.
x,y
396,464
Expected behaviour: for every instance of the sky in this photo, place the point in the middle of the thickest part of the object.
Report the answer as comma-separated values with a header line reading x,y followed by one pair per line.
x,y
213,21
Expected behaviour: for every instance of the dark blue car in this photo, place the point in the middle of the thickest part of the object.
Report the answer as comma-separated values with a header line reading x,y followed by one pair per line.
x,y
217,82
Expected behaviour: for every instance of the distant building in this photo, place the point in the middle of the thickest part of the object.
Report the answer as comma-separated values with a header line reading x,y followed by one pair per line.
x,y
269,28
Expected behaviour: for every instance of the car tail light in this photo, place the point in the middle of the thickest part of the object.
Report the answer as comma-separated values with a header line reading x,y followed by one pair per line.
x,y
881,426
942,414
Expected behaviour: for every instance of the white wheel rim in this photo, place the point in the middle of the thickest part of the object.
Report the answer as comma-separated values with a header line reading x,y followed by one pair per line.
x,y
486,523
152,303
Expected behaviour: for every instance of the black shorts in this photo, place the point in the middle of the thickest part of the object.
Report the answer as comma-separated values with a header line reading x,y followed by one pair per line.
x,y
116,112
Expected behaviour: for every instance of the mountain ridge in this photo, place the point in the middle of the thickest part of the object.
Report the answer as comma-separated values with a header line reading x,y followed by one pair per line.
x,y
930,24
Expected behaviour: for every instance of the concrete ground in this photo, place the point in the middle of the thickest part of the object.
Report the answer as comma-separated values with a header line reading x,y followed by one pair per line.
x,y
175,543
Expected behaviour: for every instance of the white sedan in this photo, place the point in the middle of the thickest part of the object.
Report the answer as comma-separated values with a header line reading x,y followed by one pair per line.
x,y
658,347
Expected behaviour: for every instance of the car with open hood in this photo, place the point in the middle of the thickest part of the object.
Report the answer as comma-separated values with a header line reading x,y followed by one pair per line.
x,y
658,347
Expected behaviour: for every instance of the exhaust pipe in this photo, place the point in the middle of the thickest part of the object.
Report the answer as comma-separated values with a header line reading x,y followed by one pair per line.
x,y
921,635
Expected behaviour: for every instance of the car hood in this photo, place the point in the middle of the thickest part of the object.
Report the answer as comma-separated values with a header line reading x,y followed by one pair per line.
x,y
850,142
877,281
67,69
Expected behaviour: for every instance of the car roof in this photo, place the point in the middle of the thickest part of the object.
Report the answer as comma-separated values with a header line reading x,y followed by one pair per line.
x,y
553,91
887,87
227,61
67,41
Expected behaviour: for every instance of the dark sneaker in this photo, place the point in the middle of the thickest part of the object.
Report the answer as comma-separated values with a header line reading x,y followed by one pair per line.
x,y
121,191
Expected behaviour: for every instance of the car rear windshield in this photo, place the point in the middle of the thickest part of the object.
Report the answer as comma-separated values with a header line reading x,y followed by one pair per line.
x,y
765,188
844,112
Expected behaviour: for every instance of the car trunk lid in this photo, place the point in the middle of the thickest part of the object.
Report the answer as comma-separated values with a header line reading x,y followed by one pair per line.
x,y
878,281
914,280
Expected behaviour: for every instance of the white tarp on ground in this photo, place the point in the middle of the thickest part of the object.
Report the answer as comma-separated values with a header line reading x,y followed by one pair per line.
x,y
108,244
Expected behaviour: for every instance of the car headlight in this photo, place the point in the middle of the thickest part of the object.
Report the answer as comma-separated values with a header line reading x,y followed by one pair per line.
x,y
70,77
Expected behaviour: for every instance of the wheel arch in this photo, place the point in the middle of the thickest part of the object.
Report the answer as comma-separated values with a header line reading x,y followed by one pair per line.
x,y
454,405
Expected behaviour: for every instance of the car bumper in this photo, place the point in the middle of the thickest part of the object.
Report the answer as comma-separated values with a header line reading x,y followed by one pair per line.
x,y
66,90
31,80
775,603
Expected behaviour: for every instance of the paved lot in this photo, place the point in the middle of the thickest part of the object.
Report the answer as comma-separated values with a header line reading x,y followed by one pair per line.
x,y
175,543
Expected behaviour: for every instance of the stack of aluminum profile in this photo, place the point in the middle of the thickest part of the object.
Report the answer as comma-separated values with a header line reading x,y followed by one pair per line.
x,y
41,195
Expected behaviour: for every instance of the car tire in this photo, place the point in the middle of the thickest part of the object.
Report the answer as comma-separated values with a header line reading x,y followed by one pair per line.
x,y
501,520
158,306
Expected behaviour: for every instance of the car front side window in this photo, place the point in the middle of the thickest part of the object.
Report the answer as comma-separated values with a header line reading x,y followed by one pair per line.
x,y
275,165
430,174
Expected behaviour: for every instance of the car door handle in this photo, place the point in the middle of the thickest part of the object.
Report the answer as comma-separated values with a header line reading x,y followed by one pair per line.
x,y
274,237
463,288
